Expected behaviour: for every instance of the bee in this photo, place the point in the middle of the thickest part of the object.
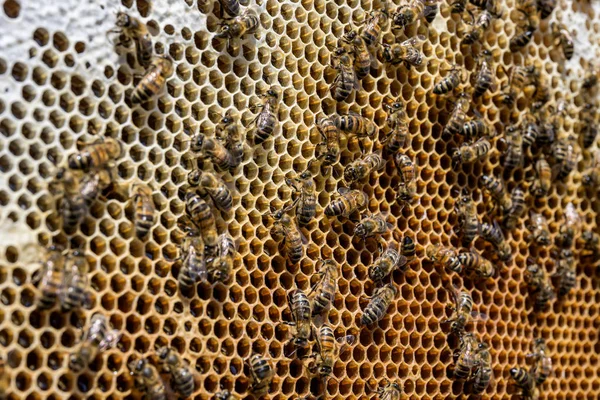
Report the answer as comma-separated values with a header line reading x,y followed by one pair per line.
x,y
458,6
345,81
446,256
565,272
72,205
355,124
526,382
145,211
475,263
590,79
570,227
405,52
530,131
494,235
430,12
539,286
378,304
465,358
457,118
540,97
147,380
203,218
157,74
4,379
51,277
225,395
75,290
542,362
228,131
212,148
219,268
362,57
387,262
592,177
538,226
328,349
193,267
563,37
208,184
293,240
135,29
468,221
397,123
406,167
326,286
462,312
246,23
545,7
231,7
372,225
520,77
591,244
568,162
497,191
484,77
514,152
301,314
361,168
408,248
483,372
331,141
266,120
391,391
410,11
406,191
517,200
455,77
261,375
373,26
97,339
469,153
475,127
347,202
481,24
589,130
306,201
96,155
541,185
182,378
522,39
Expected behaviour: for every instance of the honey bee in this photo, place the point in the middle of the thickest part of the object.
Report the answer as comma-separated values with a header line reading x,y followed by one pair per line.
x,y
345,81
430,12
591,243
462,312
408,13
145,211
182,378
208,184
391,391
455,77
147,380
484,77
331,141
445,256
73,206
565,272
514,152
4,379
479,26
75,289
373,25
406,167
530,131
545,7
228,130
212,148
261,375
405,52
97,339
541,185
301,314
468,220
457,118
475,127
589,129
347,202
475,263
538,227
497,191
232,8
526,382
465,358
96,155
355,124
483,373
361,168
328,349
408,247
362,57
563,37
306,201
378,304
469,153
371,225
406,191
592,177
542,367
326,286
219,268
193,267
494,235
225,395
397,123
570,228
568,164
203,218
51,278
539,286
387,262
293,240
154,80
246,23
517,199
520,77
458,6
527,29
266,120
136,30
590,79
541,96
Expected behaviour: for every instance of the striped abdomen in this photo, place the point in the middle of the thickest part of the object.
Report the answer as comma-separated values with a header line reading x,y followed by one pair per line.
x,y
447,84
149,86
344,82
182,381
144,214
265,124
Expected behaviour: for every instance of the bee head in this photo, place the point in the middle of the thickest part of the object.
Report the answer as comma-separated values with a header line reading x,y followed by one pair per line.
x,y
123,19
325,370
194,177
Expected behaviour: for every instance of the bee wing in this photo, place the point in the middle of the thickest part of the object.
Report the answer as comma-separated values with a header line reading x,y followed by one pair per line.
x,y
478,316
343,190
346,340
110,340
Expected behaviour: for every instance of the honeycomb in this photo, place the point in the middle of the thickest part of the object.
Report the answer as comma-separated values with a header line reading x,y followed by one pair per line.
x,y
62,82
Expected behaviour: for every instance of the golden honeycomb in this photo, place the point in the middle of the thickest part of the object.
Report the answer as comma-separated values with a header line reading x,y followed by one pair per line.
x,y
61,82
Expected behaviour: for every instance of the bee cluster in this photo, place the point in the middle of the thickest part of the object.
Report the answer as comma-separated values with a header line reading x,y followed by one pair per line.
x,y
291,226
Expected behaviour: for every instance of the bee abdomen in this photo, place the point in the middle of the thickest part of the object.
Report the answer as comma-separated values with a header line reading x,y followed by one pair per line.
x,y
447,84
183,382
